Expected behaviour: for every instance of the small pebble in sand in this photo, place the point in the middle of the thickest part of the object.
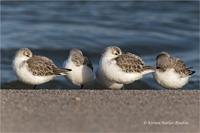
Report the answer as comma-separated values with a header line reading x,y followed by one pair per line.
x,y
77,99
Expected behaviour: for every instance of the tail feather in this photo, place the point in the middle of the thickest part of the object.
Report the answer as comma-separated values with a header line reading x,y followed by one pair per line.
x,y
189,67
61,71
149,67
191,72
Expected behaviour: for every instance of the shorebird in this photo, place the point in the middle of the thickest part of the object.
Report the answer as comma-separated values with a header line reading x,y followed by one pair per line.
x,y
82,69
171,72
35,70
119,68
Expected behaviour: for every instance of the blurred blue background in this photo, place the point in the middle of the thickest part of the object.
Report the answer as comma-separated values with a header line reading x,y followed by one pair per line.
x,y
144,28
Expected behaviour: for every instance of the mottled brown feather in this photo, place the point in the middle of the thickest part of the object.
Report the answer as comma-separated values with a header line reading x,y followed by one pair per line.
x,y
181,68
77,58
176,64
130,63
42,66
164,63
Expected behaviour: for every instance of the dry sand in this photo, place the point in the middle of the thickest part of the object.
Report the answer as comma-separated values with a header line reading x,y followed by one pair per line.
x,y
100,110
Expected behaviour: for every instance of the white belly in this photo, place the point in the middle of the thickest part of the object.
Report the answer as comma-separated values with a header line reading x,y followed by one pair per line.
x,y
170,79
80,75
105,82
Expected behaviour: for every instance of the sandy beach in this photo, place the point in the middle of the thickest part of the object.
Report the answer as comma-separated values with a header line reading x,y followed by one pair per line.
x,y
100,110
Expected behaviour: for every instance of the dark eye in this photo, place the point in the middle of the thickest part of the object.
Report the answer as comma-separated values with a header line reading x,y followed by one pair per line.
x,y
157,67
116,53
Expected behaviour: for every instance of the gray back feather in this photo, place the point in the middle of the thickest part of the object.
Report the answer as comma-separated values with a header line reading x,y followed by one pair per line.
x,y
130,63
42,66
164,62
77,58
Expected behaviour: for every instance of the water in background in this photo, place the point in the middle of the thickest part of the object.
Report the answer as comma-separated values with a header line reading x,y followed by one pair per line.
x,y
144,28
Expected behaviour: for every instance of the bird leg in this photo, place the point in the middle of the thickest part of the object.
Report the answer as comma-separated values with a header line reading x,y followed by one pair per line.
x,y
82,86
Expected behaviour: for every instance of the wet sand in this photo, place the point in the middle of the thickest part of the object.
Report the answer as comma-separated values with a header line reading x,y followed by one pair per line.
x,y
100,110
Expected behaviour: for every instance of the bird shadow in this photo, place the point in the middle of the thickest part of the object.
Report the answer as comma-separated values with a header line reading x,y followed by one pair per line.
x,y
58,85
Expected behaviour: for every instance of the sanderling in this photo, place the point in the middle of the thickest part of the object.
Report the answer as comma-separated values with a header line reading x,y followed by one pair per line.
x,y
171,73
121,68
35,70
82,69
